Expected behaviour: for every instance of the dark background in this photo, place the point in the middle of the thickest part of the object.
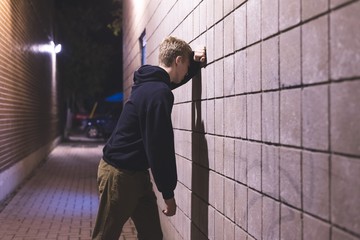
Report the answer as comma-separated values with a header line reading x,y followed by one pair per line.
x,y
90,64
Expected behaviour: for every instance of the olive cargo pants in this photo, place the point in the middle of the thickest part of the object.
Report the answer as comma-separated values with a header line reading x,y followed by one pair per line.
x,y
125,194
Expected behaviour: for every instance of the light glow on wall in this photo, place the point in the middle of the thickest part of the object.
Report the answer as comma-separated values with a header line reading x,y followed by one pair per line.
x,y
52,49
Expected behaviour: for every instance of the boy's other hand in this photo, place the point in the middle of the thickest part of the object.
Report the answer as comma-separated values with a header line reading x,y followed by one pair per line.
x,y
170,209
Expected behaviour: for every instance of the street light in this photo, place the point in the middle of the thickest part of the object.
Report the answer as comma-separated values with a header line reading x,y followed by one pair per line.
x,y
57,48
46,48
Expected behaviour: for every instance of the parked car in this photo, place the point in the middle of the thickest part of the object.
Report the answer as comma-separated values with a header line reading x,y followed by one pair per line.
x,y
79,121
101,126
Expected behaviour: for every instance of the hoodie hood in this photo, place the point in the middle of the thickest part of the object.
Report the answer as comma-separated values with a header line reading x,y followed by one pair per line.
x,y
148,73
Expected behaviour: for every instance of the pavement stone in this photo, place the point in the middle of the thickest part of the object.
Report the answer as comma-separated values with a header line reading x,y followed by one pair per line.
x,y
60,200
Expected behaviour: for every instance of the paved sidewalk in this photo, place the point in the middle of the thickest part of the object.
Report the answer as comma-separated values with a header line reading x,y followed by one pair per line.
x,y
60,200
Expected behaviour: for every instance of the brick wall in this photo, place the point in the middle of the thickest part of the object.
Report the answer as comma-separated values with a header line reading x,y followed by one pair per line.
x,y
268,136
28,88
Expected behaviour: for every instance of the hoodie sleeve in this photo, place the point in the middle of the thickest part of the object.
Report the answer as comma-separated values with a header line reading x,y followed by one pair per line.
x,y
159,142
193,70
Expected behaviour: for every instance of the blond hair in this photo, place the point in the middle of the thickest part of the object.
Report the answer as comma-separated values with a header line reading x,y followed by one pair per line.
x,y
170,48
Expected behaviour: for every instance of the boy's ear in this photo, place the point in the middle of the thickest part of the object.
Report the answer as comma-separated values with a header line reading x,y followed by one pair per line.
x,y
178,59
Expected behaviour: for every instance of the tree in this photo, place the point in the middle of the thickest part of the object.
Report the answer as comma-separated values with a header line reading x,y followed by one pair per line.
x,y
90,65
116,23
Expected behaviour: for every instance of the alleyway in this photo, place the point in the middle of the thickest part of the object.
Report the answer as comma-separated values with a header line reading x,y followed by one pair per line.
x,y
60,200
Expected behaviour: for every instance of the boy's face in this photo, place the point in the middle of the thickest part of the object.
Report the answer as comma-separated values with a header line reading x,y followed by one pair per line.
x,y
182,68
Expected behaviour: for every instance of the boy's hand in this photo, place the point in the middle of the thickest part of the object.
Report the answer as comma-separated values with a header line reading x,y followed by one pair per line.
x,y
170,209
200,55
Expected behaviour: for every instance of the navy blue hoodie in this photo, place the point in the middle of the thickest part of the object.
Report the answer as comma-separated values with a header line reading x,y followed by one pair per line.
x,y
144,136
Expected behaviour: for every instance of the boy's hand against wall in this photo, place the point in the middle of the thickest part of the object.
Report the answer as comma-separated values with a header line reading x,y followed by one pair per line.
x,y
200,55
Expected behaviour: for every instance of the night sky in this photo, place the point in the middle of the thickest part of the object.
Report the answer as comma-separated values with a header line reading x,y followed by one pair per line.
x,y
86,21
